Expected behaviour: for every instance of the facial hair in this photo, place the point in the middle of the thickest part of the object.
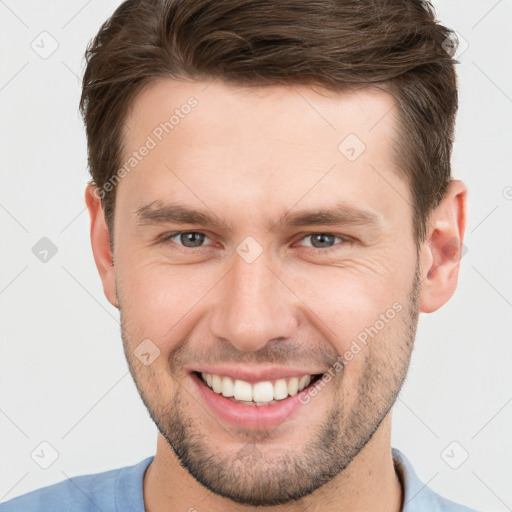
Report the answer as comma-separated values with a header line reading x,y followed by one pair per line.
x,y
251,475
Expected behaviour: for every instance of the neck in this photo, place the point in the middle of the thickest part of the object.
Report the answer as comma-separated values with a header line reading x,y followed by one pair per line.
x,y
369,483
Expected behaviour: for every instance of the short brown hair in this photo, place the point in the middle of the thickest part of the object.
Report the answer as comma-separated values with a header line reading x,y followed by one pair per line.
x,y
397,45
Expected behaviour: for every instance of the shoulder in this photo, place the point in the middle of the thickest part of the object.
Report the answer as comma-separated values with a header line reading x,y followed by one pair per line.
x,y
86,493
81,493
446,505
417,496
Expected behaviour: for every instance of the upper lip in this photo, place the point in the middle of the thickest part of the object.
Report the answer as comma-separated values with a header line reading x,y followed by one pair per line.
x,y
255,374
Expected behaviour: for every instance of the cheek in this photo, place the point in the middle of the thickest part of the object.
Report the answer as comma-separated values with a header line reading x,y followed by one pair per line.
x,y
346,300
159,300
343,301
355,311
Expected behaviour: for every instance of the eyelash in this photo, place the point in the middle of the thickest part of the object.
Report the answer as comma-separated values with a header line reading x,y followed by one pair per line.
x,y
166,240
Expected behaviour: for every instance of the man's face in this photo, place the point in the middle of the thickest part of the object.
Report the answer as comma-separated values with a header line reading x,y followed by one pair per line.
x,y
257,292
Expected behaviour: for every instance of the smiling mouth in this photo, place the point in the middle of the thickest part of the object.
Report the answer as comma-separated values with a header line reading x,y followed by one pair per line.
x,y
260,393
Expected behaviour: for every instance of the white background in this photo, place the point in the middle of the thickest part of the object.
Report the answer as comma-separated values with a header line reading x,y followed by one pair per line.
x,y
64,379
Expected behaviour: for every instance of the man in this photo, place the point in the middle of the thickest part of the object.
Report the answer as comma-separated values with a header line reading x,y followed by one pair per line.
x,y
271,207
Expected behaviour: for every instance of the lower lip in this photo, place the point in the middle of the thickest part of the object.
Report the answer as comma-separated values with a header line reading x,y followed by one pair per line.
x,y
248,416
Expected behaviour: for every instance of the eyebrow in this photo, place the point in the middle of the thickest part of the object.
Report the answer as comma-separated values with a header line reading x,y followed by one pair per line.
x,y
341,214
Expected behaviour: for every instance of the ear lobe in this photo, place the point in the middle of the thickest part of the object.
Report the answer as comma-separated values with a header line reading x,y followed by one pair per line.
x,y
444,248
100,241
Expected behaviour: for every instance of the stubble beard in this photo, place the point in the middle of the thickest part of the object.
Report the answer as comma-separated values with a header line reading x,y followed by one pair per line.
x,y
251,474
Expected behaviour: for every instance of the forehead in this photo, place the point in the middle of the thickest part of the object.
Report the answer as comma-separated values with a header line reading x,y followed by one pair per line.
x,y
219,105
261,147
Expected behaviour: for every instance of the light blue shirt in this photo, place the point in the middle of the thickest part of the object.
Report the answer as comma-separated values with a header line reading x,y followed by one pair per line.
x,y
120,490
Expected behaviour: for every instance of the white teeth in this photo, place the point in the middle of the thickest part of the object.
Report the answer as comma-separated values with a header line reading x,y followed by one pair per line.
x,y
293,386
280,389
304,381
227,387
261,393
242,390
216,384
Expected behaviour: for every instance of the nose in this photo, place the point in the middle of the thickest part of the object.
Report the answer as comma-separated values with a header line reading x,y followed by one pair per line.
x,y
255,306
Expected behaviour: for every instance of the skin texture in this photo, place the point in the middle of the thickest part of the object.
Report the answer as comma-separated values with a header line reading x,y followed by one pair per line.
x,y
252,157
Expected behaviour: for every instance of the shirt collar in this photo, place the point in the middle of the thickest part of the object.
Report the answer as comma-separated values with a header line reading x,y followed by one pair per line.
x,y
417,497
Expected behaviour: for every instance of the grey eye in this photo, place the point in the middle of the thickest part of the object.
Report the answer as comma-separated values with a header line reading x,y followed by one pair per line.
x,y
191,238
321,240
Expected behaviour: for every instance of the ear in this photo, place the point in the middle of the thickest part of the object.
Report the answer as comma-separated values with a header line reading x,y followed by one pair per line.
x,y
442,251
100,242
